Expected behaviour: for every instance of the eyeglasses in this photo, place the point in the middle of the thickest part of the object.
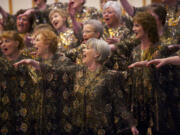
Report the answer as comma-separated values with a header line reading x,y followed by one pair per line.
x,y
88,31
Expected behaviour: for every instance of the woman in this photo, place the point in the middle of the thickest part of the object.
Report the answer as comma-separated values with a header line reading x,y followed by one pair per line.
x,y
67,39
115,29
91,29
95,105
149,89
17,93
53,82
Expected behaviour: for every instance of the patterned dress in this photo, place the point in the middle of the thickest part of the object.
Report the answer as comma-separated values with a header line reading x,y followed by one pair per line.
x,y
96,104
67,40
149,93
76,54
85,14
55,81
17,104
122,32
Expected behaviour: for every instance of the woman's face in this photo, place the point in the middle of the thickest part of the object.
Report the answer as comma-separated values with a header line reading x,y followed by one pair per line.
x,y
76,3
89,32
57,20
109,16
89,56
9,46
40,45
22,24
138,30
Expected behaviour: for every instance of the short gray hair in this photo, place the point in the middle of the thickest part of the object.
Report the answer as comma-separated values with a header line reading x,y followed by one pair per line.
x,y
98,27
101,47
116,6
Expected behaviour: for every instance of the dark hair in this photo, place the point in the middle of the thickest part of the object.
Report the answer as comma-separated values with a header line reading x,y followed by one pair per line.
x,y
30,18
160,11
148,23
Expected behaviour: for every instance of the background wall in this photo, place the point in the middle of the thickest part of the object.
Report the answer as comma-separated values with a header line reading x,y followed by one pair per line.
x,y
23,4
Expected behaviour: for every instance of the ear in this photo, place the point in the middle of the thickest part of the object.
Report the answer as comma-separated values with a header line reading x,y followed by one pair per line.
x,y
96,55
17,44
97,35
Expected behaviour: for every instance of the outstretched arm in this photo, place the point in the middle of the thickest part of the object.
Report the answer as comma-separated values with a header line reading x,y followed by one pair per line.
x,y
128,7
138,64
31,62
174,60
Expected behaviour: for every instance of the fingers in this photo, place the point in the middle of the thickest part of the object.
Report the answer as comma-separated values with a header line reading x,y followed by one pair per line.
x,y
18,63
156,61
22,62
159,65
132,65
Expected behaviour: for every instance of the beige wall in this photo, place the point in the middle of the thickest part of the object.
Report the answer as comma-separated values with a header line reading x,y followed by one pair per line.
x,y
23,4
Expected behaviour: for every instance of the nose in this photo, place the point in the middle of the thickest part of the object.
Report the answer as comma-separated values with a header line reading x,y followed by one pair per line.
x,y
134,29
2,44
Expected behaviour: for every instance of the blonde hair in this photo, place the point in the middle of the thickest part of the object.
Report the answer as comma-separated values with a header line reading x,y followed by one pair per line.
x,y
61,12
13,35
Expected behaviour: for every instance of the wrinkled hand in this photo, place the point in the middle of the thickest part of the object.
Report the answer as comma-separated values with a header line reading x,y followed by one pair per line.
x,y
27,13
112,40
134,131
158,62
138,64
176,46
31,62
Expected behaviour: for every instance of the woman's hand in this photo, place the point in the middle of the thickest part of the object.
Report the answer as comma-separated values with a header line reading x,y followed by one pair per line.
x,y
138,64
113,40
158,62
134,131
31,62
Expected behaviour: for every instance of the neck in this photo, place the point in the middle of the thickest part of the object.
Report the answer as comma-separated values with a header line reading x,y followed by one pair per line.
x,y
62,29
145,44
94,66
46,56
14,56
114,25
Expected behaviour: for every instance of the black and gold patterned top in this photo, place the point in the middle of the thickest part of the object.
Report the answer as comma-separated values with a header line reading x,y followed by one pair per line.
x,y
76,54
150,88
67,40
85,14
17,104
96,106
55,81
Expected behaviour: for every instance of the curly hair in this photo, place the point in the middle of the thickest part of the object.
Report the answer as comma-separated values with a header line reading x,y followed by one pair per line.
x,y
148,23
61,12
49,37
13,35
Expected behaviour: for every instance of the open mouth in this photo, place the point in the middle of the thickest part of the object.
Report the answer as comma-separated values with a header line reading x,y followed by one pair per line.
x,y
4,50
106,19
20,25
55,23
